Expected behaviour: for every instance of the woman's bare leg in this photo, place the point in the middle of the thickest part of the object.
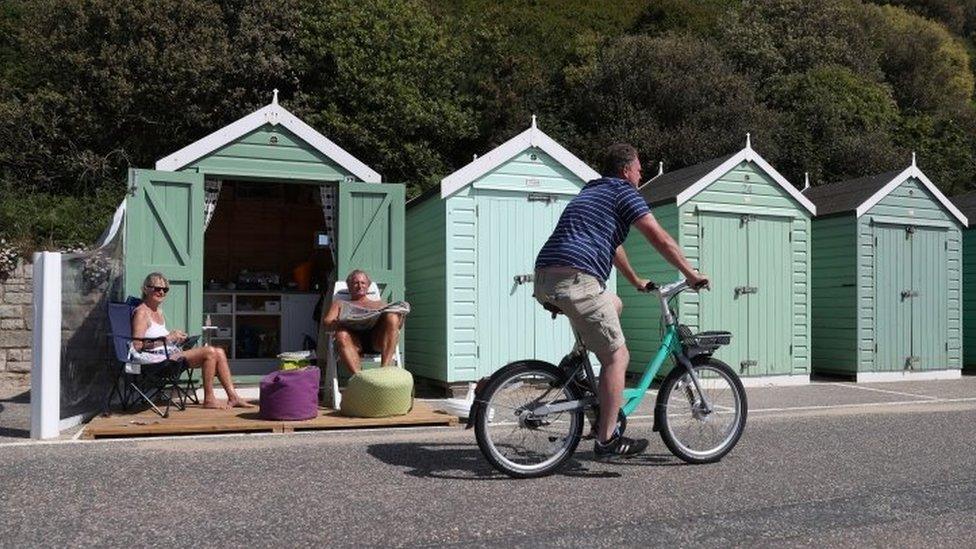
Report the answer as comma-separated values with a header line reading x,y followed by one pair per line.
x,y
223,374
206,359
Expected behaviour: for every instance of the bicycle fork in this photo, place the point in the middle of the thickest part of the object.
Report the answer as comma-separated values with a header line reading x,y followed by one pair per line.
x,y
683,360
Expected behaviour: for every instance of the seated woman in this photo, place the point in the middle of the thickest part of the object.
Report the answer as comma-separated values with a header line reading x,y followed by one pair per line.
x,y
148,321
380,338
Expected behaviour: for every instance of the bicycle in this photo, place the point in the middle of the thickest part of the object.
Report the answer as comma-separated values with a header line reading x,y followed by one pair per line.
x,y
528,416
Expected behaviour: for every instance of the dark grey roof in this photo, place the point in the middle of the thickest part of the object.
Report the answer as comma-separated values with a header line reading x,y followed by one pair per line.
x,y
966,203
845,196
669,185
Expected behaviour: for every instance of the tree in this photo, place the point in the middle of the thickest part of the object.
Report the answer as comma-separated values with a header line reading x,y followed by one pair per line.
x,y
382,79
674,97
927,67
119,84
836,124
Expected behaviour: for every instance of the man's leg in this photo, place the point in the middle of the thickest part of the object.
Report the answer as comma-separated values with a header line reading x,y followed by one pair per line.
x,y
348,349
386,334
614,370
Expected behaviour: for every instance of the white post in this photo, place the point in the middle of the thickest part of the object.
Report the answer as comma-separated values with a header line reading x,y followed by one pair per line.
x,y
46,354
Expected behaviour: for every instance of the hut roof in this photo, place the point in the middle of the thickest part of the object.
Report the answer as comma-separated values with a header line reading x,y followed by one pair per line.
x,y
273,114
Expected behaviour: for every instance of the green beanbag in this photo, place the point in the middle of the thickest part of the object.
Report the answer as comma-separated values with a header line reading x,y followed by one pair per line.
x,y
379,392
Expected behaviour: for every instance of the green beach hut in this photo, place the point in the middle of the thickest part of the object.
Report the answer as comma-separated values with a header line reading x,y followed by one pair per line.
x,y
747,227
471,248
250,223
967,205
887,278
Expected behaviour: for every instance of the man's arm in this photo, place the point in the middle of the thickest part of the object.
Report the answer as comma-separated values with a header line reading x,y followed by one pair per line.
x,y
331,319
622,263
667,247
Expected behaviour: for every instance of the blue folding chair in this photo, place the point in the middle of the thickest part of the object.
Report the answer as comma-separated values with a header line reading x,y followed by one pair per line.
x,y
133,382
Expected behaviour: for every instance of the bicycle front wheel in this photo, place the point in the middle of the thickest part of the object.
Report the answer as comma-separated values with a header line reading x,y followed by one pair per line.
x,y
692,432
514,435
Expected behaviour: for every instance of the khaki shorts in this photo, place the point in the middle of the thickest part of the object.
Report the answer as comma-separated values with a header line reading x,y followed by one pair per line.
x,y
588,305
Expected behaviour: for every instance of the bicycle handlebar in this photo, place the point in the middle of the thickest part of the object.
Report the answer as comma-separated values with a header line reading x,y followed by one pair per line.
x,y
673,288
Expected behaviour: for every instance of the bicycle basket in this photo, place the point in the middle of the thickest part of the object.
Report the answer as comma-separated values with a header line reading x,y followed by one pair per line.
x,y
704,342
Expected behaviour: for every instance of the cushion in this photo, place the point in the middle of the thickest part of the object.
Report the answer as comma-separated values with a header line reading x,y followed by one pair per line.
x,y
290,395
380,392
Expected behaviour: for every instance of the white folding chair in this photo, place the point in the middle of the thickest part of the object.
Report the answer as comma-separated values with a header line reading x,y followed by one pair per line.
x,y
333,397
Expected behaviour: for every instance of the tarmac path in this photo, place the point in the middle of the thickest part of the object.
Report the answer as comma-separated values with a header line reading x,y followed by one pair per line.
x,y
830,464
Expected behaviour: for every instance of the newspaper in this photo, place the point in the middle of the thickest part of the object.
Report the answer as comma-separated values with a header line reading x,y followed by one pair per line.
x,y
354,317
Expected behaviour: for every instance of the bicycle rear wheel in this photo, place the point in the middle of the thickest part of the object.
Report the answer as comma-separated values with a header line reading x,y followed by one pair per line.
x,y
689,431
518,441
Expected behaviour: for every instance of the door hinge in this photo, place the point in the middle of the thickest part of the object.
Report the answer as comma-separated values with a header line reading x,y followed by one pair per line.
x,y
947,345
791,349
875,241
476,210
477,351
875,347
791,236
946,244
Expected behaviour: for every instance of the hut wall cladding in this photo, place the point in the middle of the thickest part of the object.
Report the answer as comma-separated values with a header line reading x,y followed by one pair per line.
x,y
426,288
834,283
462,280
910,196
640,318
273,152
969,298
767,200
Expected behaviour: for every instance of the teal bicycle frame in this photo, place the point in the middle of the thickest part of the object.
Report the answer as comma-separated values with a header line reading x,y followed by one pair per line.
x,y
634,395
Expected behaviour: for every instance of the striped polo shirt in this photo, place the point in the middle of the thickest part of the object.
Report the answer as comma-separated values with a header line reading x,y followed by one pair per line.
x,y
591,227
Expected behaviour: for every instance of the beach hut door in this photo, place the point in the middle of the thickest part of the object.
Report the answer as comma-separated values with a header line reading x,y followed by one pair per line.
x,y
370,235
164,233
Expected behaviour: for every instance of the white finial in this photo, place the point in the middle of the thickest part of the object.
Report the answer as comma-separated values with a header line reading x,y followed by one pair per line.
x,y
806,180
274,98
748,141
533,121
913,159
660,167
474,157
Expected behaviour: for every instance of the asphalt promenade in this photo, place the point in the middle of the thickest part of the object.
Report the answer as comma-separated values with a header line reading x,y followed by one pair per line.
x,y
828,464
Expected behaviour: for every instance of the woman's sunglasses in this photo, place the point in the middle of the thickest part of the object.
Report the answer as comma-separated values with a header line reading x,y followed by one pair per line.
x,y
164,289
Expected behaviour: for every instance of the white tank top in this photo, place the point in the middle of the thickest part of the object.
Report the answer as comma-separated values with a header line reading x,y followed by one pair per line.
x,y
156,330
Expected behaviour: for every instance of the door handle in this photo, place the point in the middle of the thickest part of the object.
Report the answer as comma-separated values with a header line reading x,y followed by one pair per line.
x,y
743,290
522,279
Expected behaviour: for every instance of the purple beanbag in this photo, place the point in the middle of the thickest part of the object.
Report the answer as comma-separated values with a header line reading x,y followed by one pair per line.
x,y
290,394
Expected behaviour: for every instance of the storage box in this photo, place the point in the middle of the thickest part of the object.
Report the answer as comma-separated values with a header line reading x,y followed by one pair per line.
x,y
224,307
272,306
223,332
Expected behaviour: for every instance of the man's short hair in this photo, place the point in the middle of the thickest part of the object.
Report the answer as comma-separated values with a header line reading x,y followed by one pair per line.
x,y
355,272
616,158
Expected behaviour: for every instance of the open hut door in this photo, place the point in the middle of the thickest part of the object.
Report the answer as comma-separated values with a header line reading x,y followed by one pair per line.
x,y
371,227
164,233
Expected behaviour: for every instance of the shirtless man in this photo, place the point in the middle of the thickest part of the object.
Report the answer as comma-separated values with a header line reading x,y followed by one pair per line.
x,y
381,338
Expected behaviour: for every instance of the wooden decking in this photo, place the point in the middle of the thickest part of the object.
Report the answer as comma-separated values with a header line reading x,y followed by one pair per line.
x,y
197,420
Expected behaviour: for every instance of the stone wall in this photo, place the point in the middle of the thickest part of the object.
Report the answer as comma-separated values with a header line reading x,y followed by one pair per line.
x,y
16,320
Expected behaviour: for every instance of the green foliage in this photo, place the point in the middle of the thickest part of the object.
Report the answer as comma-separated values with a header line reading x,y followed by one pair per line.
x,y
836,124
840,88
927,67
381,78
41,220
674,97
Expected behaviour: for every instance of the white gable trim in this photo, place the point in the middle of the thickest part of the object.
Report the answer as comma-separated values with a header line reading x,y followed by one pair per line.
x,y
910,172
746,155
273,114
532,137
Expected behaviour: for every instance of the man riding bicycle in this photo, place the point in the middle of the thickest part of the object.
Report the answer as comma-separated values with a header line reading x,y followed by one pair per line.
x,y
573,266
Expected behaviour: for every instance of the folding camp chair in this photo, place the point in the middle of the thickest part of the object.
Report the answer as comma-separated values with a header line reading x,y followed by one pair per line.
x,y
133,382
331,382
